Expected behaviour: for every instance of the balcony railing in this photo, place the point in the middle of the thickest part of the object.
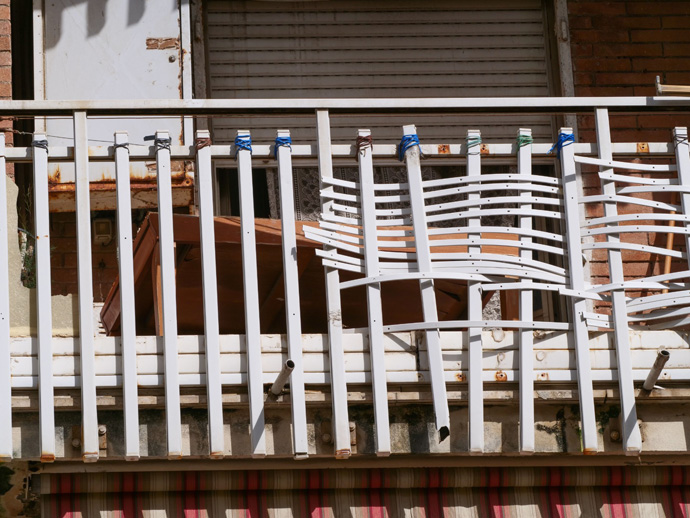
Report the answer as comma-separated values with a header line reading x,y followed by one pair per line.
x,y
543,253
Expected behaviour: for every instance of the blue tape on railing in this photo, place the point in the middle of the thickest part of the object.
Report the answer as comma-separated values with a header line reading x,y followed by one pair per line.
x,y
243,142
282,141
406,143
564,139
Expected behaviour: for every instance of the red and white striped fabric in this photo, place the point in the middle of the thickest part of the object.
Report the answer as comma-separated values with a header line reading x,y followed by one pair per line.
x,y
457,492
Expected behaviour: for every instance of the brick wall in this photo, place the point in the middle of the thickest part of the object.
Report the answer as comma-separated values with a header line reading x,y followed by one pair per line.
x,y
63,244
6,69
618,48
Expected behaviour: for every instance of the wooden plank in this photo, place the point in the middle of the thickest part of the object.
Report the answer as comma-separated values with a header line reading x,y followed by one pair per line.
x,y
374,304
44,319
526,311
428,293
292,298
89,414
341,423
632,438
168,303
251,299
474,312
5,343
204,171
571,194
126,286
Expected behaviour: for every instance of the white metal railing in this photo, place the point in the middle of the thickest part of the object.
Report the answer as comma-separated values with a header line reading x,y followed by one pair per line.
x,y
575,286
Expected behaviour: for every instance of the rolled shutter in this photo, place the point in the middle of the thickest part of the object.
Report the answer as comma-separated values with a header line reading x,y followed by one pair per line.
x,y
378,49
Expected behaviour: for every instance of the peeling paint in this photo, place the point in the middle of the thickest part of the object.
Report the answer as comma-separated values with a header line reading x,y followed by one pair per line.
x,y
162,43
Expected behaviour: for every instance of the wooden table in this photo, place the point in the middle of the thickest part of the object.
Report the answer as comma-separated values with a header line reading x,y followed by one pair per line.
x,y
401,300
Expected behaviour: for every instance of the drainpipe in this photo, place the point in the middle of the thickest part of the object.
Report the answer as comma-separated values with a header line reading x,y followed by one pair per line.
x,y
655,372
282,378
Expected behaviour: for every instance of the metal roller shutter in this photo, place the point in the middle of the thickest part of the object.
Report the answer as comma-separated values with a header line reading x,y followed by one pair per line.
x,y
376,48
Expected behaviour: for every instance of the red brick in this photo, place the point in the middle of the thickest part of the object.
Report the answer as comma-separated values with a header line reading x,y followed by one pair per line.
x,y
608,36
623,78
63,275
656,7
671,35
599,91
596,8
628,49
583,78
676,49
580,22
675,22
581,49
660,64
602,64
626,22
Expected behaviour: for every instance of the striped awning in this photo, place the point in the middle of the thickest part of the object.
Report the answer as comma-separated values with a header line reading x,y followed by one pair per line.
x,y
457,492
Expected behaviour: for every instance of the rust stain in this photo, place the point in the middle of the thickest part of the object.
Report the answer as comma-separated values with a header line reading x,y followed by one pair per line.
x,y
642,147
162,43
47,457
443,149
589,451
89,457
484,149
501,376
460,376
342,454
543,376
55,177
217,455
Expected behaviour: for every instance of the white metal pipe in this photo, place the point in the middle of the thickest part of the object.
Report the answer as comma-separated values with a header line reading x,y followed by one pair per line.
x,y
281,379
654,373
448,104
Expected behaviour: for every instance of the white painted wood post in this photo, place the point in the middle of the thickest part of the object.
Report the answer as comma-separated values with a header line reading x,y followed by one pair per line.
x,y
474,313
204,174
128,331
524,153
429,308
44,317
166,245
5,374
251,300
632,439
374,305
85,282
578,306
292,300
340,422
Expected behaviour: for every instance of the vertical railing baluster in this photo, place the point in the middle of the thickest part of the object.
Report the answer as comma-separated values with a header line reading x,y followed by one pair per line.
x,y
128,331
210,290
44,317
340,423
5,374
251,296
474,312
85,284
524,154
579,306
680,137
168,295
632,439
292,300
430,310
374,306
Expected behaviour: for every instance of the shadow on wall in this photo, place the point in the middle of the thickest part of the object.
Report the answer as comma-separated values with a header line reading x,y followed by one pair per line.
x,y
96,15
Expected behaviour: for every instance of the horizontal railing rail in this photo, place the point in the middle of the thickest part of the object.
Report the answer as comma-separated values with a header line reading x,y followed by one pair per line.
x,y
156,107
